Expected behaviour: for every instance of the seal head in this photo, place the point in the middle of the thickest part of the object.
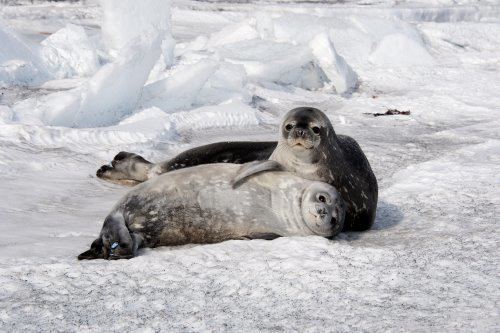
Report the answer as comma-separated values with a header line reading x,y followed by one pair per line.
x,y
323,209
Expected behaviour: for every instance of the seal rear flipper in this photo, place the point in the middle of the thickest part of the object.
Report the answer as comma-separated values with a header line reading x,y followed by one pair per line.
x,y
95,251
126,169
249,169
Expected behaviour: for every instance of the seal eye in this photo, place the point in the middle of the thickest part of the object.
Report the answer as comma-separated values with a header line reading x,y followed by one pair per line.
x,y
288,127
315,130
321,198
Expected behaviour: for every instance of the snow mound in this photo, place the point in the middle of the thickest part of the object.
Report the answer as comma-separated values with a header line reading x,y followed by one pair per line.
x,y
69,52
399,50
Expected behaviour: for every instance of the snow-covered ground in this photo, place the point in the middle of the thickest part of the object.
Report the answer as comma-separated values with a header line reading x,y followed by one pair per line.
x,y
79,83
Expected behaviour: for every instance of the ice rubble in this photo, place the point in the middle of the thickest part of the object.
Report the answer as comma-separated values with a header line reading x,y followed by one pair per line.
x,y
134,38
146,69
20,63
69,52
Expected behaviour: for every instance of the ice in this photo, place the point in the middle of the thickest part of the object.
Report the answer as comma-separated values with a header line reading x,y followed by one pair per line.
x,y
69,52
181,88
430,263
127,20
234,33
19,72
20,63
114,91
399,50
270,61
333,65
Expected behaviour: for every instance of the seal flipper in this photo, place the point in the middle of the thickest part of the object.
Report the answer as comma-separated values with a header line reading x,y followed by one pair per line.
x,y
126,169
95,251
262,235
114,242
249,169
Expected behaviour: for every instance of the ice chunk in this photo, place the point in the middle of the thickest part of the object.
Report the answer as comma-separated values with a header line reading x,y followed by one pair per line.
x,y
400,50
235,33
114,91
341,75
227,82
232,113
269,61
19,72
20,64
125,20
69,52
181,88
303,29
103,100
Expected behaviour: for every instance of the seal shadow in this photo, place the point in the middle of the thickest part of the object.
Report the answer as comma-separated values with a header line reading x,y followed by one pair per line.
x,y
388,216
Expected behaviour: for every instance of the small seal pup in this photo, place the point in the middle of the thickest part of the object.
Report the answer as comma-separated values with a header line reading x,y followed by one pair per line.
x,y
203,204
308,147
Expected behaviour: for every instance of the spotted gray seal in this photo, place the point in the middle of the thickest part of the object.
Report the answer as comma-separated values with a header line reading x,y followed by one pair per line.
x,y
206,204
308,147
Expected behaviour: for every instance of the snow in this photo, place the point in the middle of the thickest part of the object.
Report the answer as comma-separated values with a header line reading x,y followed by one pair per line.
x,y
399,50
219,71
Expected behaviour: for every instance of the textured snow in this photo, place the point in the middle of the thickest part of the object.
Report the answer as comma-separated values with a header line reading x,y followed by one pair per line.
x,y
228,71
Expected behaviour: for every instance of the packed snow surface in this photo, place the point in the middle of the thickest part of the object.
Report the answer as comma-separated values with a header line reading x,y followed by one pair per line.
x,y
80,82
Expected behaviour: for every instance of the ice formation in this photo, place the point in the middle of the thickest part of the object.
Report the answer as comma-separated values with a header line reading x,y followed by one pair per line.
x,y
335,67
20,63
69,52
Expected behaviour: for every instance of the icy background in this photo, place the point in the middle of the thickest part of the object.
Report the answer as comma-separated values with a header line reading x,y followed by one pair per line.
x,y
80,82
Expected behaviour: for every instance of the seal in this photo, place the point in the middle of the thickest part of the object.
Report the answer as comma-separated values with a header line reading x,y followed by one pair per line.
x,y
308,147
129,168
204,204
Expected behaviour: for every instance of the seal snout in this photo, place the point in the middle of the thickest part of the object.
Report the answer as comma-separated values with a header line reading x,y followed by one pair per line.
x,y
102,170
321,210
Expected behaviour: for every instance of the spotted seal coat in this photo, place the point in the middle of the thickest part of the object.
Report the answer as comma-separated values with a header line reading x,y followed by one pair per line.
x,y
209,204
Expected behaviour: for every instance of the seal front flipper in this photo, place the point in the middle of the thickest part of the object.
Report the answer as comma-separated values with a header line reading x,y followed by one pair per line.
x,y
114,242
249,169
95,251
262,235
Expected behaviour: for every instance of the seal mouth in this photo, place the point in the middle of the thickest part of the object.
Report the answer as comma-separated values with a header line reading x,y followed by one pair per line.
x,y
322,228
300,144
